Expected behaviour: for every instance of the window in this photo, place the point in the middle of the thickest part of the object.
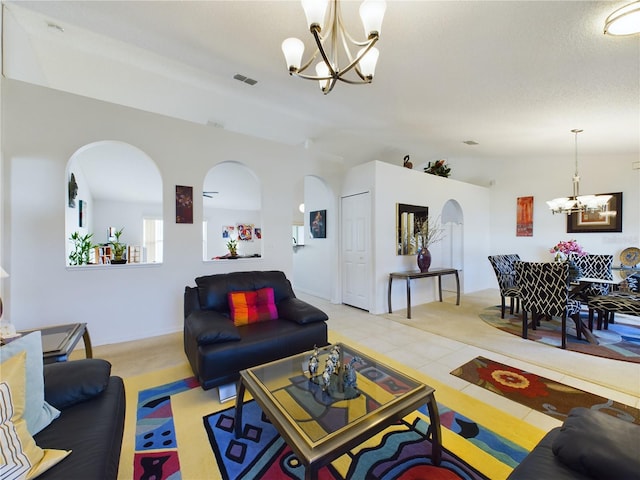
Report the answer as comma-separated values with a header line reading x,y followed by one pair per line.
x,y
152,239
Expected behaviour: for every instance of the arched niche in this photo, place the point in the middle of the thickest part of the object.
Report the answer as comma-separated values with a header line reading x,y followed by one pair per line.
x,y
113,185
452,219
232,210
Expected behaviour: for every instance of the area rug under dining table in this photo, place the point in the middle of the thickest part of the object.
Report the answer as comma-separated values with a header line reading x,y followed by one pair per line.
x,y
621,341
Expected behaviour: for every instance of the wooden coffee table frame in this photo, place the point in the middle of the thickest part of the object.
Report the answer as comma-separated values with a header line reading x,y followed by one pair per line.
x,y
315,455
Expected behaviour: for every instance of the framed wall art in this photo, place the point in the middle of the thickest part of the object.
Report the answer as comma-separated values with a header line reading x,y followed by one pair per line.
x,y
524,217
318,224
184,204
596,222
409,219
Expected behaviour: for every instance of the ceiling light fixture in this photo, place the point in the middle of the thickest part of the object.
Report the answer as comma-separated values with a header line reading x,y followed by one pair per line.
x,y
329,35
579,203
624,21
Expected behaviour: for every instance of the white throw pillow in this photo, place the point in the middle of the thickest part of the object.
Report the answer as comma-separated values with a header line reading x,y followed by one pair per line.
x,y
38,413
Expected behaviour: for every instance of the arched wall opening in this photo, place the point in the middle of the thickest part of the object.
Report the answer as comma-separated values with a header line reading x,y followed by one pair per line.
x,y
452,218
231,212
113,186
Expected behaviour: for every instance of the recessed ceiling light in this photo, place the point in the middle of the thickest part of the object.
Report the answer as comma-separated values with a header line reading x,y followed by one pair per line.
x,y
471,142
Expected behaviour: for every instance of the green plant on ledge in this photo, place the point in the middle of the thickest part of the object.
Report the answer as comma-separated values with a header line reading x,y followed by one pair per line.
x,y
439,168
118,247
82,246
232,245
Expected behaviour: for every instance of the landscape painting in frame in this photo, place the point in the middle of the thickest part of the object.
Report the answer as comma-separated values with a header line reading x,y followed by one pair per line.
x,y
184,204
591,222
524,217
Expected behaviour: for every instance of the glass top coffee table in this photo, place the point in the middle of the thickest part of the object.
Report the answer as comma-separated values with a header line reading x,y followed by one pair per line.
x,y
320,424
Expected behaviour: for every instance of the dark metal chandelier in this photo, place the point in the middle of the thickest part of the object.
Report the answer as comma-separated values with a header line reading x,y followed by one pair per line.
x,y
334,44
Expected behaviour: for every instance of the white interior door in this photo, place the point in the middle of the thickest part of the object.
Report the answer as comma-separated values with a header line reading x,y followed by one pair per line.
x,y
356,215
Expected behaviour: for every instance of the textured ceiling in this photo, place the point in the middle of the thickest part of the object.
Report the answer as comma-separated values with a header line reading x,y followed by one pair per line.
x,y
515,76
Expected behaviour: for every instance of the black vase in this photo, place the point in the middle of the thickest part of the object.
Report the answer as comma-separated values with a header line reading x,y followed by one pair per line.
x,y
424,259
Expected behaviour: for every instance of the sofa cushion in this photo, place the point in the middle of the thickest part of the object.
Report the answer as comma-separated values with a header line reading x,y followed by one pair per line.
x,y
299,311
21,457
69,383
252,306
598,444
38,413
209,327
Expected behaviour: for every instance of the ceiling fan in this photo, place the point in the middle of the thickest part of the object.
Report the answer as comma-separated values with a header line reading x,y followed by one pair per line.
x,y
209,194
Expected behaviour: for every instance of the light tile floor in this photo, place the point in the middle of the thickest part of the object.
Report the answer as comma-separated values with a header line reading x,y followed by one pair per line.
x,y
439,338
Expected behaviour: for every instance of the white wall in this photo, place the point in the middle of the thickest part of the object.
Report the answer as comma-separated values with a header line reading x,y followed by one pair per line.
x,y
313,267
44,128
390,185
547,178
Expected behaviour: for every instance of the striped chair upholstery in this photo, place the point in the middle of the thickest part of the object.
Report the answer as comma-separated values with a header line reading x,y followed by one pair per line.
x,y
543,291
595,266
606,305
503,266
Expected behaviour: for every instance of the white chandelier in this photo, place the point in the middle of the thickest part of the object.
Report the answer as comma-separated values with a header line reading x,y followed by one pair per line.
x,y
329,37
624,21
579,203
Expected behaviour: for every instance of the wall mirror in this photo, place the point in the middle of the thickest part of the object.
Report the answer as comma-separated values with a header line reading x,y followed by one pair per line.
x,y
113,186
232,213
409,219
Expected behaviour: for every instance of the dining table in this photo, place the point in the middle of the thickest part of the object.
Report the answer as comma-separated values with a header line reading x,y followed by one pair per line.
x,y
577,291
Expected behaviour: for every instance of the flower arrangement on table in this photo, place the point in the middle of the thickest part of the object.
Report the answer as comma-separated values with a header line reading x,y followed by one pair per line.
x,y
430,231
439,168
563,249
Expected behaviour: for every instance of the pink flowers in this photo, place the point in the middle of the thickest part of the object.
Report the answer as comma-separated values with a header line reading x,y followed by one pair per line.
x,y
563,249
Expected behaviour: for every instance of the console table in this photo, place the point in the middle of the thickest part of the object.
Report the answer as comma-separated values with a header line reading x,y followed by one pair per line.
x,y
435,272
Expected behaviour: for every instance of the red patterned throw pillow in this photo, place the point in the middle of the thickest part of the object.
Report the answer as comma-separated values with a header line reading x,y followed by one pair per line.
x,y
253,306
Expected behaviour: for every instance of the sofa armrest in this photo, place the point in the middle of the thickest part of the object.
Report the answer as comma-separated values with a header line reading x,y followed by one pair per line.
x,y
68,383
191,301
208,327
299,311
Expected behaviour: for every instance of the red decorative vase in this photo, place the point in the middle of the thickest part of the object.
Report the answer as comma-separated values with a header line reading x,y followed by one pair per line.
x,y
424,259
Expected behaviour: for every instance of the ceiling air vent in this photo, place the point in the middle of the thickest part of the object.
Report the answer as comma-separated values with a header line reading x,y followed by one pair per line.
x,y
244,79
471,142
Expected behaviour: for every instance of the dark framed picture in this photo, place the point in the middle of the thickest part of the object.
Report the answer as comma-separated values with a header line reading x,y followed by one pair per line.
x,y
318,224
184,204
592,222
409,221
82,213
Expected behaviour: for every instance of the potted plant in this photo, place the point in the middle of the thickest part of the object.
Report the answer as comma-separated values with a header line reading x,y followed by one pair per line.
x,y
82,246
232,246
439,168
118,249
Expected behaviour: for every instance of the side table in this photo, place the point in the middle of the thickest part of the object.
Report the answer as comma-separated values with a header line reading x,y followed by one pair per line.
x,y
435,272
59,341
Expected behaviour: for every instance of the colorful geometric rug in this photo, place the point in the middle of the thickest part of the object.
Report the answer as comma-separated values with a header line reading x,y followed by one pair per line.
x,y
165,437
536,392
620,342
399,452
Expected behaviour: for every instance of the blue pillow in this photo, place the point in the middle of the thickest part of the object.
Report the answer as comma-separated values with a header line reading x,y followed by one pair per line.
x,y
38,413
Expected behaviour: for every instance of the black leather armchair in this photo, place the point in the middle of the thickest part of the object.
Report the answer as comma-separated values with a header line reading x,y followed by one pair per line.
x,y
218,350
91,422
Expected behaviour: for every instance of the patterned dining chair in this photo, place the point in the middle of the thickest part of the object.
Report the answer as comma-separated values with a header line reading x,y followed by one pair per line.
x,y
544,291
506,276
595,266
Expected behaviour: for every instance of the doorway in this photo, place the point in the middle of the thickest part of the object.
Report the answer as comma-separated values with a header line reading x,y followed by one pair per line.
x,y
356,235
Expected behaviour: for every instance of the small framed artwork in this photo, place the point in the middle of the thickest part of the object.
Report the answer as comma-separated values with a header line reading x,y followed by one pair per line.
x,y
184,204
229,232
318,224
82,213
596,222
524,217
409,222
245,232
257,231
